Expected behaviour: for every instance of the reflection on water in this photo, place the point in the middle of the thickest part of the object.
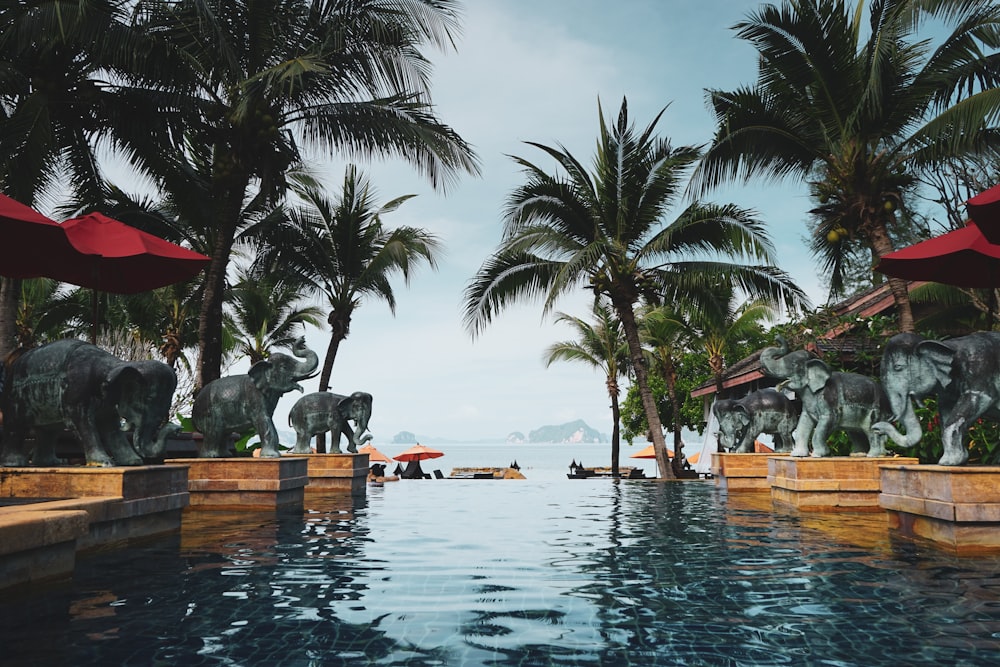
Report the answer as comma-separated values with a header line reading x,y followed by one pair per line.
x,y
567,572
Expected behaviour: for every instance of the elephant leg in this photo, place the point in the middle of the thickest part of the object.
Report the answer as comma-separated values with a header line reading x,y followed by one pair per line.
x,y
213,444
801,435
268,437
45,448
876,443
90,439
336,429
822,431
302,438
13,453
969,407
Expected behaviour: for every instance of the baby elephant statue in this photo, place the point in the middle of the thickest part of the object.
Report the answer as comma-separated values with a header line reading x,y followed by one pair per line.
x,y
831,401
963,372
322,411
76,384
236,403
763,411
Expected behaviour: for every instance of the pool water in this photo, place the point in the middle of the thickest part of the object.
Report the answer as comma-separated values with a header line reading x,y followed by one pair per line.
x,y
544,571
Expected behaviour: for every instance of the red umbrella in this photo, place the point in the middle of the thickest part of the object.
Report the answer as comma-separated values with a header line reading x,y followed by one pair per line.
x,y
115,257
963,257
31,245
122,259
984,209
418,452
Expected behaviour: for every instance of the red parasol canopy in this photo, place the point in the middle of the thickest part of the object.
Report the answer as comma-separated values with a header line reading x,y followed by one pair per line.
x,y
374,455
122,259
418,452
31,245
984,209
963,257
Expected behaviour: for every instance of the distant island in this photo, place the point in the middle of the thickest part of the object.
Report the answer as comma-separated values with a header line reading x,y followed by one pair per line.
x,y
571,432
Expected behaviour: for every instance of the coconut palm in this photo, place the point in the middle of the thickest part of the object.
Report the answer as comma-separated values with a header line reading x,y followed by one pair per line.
x,y
340,249
605,230
600,345
858,108
254,82
726,323
266,311
666,335
54,104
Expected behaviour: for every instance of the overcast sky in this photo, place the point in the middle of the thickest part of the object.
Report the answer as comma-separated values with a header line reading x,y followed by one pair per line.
x,y
533,70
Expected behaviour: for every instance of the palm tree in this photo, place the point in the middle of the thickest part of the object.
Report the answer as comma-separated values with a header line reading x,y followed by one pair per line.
x,y
605,230
666,335
725,323
265,312
859,110
250,83
341,250
54,104
600,345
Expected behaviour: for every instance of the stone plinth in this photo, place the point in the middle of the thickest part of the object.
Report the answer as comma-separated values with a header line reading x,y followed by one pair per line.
x,y
121,502
37,545
830,484
347,473
246,483
741,472
957,507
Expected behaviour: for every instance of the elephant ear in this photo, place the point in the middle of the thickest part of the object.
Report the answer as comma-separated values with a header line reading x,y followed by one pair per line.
x,y
259,372
742,414
938,357
817,373
122,381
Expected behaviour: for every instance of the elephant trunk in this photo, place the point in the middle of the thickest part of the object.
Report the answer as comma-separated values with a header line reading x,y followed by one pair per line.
x,y
310,363
910,424
154,448
772,359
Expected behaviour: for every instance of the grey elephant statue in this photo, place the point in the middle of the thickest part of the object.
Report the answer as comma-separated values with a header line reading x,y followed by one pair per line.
x,y
831,401
963,372
70,383
763,411
236,403
323,411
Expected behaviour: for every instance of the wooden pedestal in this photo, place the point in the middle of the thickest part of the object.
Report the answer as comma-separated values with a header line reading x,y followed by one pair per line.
x,y
246,483
957,507
346,473
121,503
741,472
829,484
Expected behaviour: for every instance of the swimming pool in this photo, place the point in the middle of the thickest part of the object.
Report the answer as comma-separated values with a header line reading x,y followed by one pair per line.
x,y
544,571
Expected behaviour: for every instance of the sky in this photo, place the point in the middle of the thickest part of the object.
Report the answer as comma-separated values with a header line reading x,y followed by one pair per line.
x,y
534,70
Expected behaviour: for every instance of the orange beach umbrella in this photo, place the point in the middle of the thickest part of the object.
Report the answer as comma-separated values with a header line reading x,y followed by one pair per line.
x,y
374,455
418,452
650,453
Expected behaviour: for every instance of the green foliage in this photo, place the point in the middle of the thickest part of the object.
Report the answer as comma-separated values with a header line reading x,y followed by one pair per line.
x,y
692,371
983,438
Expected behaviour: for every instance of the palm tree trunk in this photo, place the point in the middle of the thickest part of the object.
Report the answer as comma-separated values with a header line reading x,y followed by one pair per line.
x,y
882,245
324,383
210,317
10,293
676,415
626,315
616,429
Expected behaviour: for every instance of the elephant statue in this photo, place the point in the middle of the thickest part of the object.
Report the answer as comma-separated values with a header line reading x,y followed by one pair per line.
x,y
237,403
322,411
831,401
762,411
70,383
964,372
